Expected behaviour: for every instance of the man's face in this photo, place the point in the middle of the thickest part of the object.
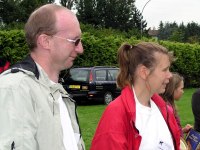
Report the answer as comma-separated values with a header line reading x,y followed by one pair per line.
x,y
64,50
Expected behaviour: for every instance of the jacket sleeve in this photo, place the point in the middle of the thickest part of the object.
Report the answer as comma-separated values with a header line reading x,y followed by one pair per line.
x,y
17,119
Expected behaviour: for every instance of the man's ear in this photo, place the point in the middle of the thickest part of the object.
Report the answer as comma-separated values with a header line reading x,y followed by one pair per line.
x,y
143,72
43,41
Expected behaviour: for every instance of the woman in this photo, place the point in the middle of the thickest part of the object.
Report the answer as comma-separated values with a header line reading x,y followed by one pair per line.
x,y
138,118
174,91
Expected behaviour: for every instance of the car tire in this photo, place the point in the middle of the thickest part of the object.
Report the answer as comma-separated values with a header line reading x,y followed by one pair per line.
x,y
108,97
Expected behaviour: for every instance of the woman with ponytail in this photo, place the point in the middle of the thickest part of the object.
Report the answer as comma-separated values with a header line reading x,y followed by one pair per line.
x,y
139,119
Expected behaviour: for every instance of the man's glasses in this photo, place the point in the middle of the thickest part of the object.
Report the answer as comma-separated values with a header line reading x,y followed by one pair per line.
x,y
76,42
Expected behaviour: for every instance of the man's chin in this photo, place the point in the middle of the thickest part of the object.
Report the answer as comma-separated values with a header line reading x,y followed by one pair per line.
x,y
69,65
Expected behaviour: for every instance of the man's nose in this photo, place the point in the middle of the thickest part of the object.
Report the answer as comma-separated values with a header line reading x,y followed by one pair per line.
x,y
79,48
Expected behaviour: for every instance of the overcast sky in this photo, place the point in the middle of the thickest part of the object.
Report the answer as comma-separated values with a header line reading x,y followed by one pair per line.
x,y
169,11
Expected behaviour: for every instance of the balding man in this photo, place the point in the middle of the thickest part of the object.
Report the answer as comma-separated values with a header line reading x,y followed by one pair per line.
x,y
36,113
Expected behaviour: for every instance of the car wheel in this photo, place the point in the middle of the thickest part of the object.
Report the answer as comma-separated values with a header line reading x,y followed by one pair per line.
x,y
108,98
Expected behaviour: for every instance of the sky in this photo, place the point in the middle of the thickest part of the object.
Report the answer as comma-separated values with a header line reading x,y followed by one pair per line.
x,y
179,11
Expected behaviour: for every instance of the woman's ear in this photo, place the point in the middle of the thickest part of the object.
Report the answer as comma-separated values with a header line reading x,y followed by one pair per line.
x,y
143,72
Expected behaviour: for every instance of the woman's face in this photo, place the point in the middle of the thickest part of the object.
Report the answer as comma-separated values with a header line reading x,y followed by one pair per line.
x,y
179,91
160,76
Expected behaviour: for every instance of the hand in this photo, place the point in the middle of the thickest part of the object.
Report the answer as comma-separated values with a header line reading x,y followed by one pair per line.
x,y
187,128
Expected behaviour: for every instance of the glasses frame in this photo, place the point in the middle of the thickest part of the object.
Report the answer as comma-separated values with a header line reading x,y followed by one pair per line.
x,y
76,42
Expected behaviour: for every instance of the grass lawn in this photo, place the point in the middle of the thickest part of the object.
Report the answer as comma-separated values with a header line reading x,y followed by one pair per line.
x,y
89,115
184,107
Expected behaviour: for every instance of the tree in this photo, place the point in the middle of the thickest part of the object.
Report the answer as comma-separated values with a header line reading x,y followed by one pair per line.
x,y
19,10
117,14
192,32
180,33
9,10
177,35
27,7
87,12
166,30
67,3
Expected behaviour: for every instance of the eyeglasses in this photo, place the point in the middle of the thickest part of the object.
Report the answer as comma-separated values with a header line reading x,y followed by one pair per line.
x,y
76,42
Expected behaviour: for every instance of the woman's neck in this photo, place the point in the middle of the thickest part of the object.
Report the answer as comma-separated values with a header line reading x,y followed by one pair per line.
x,y
143,95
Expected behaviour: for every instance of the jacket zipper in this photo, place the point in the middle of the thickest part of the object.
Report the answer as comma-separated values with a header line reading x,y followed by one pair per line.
x,y
53,103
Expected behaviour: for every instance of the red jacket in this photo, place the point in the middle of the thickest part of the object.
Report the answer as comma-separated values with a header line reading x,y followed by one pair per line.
x,y
116,129
5,67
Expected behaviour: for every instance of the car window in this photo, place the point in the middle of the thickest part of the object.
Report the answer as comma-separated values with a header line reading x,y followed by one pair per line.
x,y
79,74
100,75
112,74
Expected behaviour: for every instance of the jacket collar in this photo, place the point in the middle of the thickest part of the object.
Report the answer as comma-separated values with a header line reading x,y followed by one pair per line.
x,y
129,102
26,64
29,64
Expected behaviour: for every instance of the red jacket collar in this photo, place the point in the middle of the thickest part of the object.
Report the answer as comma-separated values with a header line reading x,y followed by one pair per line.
x,y
127,96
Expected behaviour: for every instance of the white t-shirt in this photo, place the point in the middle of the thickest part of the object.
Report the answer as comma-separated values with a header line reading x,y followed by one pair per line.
x,y
69,139
68,133
152,127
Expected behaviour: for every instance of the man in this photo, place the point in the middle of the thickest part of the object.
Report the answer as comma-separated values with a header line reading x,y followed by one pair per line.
x,y
36,113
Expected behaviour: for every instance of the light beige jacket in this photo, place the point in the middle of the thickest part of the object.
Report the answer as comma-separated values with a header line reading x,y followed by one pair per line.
x,y
29,111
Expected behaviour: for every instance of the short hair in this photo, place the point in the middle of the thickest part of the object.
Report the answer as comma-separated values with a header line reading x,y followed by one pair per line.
x,y
42,20
130,56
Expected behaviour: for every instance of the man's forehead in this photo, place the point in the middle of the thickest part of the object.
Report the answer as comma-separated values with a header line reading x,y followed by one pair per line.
x,y
68,23
65,18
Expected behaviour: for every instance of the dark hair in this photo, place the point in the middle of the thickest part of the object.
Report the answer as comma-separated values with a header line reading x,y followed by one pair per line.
x,y
42,20
130,56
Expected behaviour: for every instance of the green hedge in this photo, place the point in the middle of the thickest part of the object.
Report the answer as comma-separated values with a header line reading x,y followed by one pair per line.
x,y
13,45
188,61
102,50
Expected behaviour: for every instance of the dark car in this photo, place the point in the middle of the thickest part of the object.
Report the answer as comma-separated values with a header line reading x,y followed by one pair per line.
x,y
92,83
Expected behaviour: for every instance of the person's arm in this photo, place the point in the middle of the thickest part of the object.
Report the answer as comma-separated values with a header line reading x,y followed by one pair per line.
x,y
196,109
17,119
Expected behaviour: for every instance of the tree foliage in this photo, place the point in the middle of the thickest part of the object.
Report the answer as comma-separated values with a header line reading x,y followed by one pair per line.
x,y
12,11
180,33
9,10
67,3
117,14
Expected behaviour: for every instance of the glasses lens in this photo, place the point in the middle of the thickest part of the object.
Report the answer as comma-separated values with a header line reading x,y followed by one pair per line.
x,y
77,42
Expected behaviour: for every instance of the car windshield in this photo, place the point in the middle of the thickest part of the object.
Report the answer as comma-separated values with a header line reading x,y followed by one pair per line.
x,y
79,74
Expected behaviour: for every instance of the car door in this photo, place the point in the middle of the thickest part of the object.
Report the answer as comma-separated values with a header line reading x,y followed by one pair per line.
x,y
100,80
112,83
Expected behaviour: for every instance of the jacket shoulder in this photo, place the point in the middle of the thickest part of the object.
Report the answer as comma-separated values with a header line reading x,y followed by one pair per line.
x,y
14,80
